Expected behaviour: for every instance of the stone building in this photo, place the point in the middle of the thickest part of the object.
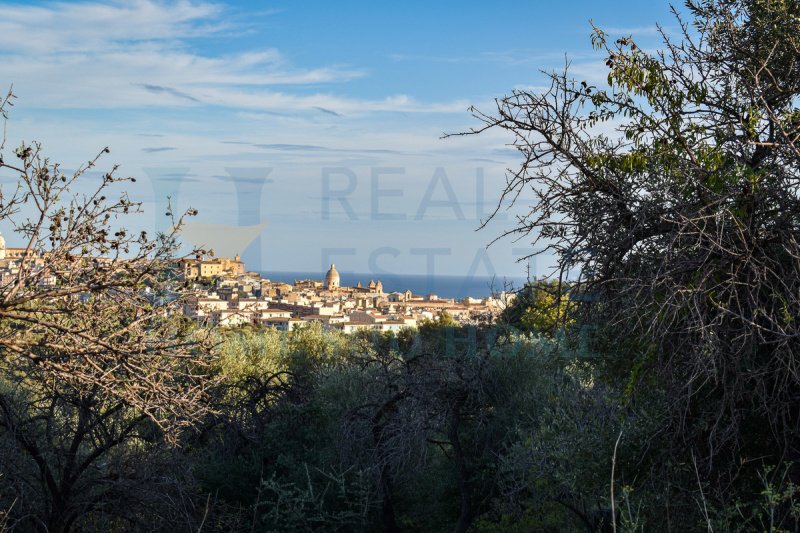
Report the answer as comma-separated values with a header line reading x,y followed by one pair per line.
x,y
211,268
332,278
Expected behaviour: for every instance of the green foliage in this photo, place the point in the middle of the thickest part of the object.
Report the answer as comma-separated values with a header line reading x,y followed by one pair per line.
x,y
446,416
681,231
541,307
339,504
356,412
774,508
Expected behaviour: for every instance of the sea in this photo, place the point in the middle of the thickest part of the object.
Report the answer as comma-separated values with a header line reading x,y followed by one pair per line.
x,y
456,287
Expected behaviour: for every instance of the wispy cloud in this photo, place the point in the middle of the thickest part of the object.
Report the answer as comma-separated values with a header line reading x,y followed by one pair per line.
x,y
89,27
158,89
312,148
155,149
291,147
328,111
143,54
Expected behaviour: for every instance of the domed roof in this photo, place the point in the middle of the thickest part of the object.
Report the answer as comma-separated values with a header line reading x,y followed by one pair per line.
x,y
332,277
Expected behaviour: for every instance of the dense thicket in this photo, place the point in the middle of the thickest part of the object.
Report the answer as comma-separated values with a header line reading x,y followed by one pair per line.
x,y
450,428
669,197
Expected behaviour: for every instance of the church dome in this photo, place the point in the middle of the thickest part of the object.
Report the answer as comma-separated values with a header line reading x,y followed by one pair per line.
x,y
332,278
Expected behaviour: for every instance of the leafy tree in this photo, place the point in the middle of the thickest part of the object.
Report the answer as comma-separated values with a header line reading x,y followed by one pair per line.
x,y
540,306
682,226
268,453
430,422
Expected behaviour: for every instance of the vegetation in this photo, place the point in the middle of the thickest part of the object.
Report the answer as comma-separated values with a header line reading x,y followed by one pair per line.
x,y
652,384
682,230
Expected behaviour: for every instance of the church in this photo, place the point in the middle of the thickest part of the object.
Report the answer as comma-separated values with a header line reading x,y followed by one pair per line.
x,y
333,283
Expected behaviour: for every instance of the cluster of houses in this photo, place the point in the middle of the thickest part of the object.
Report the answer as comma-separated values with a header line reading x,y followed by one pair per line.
x,y
11,260
234,297
225,294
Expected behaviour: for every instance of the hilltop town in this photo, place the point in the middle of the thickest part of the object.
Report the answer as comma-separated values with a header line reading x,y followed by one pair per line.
x,y
226,294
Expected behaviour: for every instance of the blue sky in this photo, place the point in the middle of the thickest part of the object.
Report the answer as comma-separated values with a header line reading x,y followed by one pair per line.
x,y
304,132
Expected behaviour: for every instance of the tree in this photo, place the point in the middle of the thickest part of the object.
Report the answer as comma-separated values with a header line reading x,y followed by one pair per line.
x,y
680,227
430,420
268,454
88,302
540,306
84,460
98,370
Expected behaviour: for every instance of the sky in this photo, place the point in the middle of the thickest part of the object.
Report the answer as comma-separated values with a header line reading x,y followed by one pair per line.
x,y
309,132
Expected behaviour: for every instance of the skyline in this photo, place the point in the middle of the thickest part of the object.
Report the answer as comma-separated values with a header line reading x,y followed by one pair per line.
x,y
318,128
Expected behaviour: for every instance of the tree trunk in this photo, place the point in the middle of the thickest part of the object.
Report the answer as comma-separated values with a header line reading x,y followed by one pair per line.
x,y
465,514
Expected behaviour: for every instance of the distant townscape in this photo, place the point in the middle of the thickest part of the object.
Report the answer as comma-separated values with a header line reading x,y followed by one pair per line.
x,y
226,294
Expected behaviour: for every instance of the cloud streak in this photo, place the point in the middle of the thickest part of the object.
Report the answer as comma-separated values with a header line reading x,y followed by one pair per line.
x,y
328,111
158,89
100,53
155,149
312,148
